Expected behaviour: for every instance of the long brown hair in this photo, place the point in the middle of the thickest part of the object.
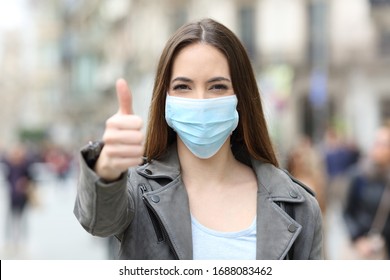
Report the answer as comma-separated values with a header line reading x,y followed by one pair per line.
x,y
251,136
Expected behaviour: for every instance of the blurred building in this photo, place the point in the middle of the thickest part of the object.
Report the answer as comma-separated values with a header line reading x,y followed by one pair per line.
x,y
30,70
318,62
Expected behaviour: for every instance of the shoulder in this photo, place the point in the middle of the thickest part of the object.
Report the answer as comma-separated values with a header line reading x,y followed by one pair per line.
x,y
310,202
301,185
279,183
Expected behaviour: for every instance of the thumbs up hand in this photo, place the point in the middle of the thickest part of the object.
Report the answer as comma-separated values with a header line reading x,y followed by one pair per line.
x,y
123,139
125,99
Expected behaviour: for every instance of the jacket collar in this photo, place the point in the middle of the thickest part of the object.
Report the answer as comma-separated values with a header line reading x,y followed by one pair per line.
x,y
276,230
276,184
167,167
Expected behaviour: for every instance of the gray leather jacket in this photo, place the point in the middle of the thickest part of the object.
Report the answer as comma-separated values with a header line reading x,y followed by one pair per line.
x,y
147,209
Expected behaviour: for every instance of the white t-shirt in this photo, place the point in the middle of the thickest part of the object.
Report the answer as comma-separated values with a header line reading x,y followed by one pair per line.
x,y
209,244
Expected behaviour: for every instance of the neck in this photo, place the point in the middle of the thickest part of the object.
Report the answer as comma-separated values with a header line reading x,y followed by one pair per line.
x,y
205,172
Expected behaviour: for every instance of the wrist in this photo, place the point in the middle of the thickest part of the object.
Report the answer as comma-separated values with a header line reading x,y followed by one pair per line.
x,y
104,172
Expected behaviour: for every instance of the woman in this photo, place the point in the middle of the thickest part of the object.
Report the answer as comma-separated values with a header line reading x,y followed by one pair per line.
x,y
367,209
305,164
20,181
210,187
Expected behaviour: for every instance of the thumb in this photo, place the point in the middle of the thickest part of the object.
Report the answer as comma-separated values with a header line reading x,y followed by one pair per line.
x,y
125,99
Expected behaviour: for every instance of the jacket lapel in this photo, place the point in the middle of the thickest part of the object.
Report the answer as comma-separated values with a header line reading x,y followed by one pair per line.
x,y
164,198
174,196
276,230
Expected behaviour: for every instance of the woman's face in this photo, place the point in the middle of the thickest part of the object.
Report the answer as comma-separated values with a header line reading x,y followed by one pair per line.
x,y
200,71
381,147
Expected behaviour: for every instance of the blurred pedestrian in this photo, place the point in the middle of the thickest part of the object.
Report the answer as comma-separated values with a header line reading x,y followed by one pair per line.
x,y
340,155
59,161
19,179
210,186
306,164
368,201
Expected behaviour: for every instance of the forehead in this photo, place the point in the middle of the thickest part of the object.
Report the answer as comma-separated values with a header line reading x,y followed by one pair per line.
x,y
383,134
200,58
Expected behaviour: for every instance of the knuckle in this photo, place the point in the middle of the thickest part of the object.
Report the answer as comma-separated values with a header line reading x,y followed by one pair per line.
x,y
107,137
109,151
137,121
138,137
110,121
114,121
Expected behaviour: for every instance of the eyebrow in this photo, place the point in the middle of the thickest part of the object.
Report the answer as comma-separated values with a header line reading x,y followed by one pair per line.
x,y
218,79
182,79
212,80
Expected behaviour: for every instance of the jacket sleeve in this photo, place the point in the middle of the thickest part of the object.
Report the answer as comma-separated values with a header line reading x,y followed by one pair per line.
x,y
103,209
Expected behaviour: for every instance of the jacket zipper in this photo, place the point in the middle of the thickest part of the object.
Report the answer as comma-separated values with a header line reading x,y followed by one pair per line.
x,y
156,222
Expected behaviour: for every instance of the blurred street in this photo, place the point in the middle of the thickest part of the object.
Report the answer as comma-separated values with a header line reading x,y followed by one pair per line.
x,y
325,92
52,231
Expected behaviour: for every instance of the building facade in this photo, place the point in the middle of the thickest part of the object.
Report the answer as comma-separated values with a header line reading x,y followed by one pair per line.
x,y
316,67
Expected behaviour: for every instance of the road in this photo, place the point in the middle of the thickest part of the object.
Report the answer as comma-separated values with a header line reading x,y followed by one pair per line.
x,y
52,231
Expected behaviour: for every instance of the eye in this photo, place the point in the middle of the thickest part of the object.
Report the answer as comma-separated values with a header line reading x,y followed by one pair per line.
x,y
181,87
219,87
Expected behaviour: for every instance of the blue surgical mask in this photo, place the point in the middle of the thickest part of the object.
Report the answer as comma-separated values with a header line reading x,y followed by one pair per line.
x,y
202,124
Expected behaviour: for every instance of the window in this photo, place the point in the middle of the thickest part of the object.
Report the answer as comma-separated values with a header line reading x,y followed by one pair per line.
x,y
384,43
316,39
247,29
385,108
179,17
379,2
83,75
